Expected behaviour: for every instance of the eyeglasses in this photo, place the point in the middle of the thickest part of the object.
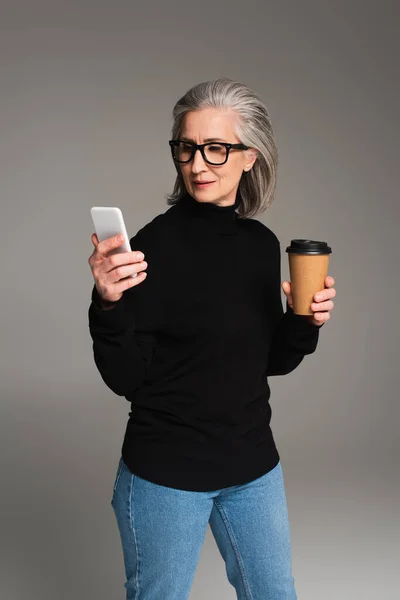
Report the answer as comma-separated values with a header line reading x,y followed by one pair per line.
x,y
214,153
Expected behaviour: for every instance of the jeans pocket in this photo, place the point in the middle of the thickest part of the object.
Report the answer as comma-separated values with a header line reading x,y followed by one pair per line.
x,y
119,470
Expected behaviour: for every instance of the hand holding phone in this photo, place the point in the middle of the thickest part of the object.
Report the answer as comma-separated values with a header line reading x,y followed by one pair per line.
x,y
115,267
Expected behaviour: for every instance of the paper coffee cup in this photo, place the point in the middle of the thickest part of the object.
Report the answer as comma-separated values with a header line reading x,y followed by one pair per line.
x,y
308,266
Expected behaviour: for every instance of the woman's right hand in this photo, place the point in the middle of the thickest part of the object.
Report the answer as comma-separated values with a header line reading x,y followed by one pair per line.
x,y
111,273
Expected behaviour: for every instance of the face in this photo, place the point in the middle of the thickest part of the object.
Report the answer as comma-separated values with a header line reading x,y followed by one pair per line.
x,y
215,125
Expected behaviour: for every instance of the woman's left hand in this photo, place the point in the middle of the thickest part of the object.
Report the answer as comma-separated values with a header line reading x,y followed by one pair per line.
x,y
322,301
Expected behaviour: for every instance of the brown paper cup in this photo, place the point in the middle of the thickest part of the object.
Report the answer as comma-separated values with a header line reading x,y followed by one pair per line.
x,y
308,266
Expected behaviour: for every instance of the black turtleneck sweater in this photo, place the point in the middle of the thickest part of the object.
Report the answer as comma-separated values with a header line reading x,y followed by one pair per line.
x,y
192,347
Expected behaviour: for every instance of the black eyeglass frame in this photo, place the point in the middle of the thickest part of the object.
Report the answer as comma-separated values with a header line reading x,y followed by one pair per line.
x,y
201,147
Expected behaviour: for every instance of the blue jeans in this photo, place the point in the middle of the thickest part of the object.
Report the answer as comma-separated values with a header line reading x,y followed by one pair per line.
x,y
162,531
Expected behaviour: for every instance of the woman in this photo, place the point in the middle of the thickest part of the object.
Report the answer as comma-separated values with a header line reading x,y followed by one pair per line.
x,y
191,345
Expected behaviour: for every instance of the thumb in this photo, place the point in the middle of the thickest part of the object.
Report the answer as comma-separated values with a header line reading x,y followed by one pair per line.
x,y
287,287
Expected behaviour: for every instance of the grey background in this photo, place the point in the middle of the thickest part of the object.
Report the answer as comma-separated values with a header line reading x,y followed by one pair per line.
x,y
87,90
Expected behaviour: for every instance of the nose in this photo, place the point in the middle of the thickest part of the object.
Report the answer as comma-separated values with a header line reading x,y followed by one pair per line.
x,y
198,162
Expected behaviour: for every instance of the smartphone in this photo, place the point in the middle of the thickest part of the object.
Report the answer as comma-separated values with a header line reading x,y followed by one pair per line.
x,y
108,222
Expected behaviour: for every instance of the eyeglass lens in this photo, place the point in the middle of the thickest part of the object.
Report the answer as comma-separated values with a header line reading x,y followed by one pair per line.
x,y
215,153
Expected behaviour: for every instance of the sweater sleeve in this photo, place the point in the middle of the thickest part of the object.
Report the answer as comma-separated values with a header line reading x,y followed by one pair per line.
x,y
293,336
121,354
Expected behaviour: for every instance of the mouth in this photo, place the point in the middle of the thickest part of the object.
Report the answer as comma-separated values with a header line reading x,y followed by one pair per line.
x,y
202,184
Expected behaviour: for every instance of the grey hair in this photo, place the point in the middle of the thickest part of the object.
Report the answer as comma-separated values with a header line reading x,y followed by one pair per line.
x,y
253,128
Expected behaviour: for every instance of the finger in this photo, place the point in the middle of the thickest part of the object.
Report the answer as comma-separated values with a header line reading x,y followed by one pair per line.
x,y
109,244
322,316
322,305
325,294
95,240
329,281
124,270
124,258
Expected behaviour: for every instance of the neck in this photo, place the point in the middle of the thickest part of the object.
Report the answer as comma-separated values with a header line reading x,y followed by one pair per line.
x,y
220,219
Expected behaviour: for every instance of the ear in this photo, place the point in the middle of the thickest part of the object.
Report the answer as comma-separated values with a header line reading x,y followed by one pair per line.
x,y
251,155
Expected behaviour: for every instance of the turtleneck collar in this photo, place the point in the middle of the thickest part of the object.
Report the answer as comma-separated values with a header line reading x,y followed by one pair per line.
x,y
220,219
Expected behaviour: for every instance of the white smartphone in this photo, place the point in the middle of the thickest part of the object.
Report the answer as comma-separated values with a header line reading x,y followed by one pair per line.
x,y
108,222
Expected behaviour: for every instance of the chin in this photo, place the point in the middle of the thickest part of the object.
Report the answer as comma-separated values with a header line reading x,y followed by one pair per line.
x,y
206,193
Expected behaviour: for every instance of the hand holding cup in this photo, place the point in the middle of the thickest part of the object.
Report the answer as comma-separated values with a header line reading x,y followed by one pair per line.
x,y
308,266
322,305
